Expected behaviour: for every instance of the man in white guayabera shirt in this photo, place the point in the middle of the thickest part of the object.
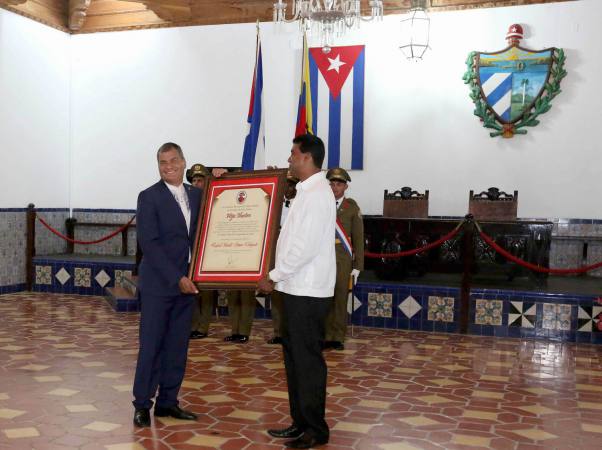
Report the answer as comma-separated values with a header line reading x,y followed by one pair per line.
x,y
305,273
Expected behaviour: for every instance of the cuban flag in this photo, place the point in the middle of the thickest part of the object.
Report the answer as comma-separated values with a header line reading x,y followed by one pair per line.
x,y
253,156
337,102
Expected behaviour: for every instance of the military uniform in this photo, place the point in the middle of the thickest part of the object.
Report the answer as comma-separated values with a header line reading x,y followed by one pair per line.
x,y
241,309
276,297
350,217
203,310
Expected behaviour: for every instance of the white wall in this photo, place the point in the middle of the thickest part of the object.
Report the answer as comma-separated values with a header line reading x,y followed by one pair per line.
x,y
34,113
131,91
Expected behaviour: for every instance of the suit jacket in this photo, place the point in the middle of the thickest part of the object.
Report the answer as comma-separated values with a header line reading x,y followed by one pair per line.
x,y
351,219
166,244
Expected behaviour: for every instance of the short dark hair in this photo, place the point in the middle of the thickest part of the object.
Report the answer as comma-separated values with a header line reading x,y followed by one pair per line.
x,y
170,146
308,143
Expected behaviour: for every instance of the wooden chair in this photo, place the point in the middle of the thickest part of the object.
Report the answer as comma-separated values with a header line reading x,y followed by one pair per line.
x,y
493,204
406,204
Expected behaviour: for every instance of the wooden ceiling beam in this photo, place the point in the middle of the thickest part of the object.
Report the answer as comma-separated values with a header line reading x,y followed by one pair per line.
x,y
77,13
169,10
88,16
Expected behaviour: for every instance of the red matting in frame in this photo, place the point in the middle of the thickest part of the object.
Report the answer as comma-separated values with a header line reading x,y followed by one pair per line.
x,y
272,183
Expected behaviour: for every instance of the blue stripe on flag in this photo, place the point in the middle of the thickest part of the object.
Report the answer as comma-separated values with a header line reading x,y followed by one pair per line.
x,y
334,131
313,81
503,88
357,139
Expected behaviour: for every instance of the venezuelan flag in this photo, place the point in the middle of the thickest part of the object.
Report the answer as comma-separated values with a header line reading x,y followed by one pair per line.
x,y
304,110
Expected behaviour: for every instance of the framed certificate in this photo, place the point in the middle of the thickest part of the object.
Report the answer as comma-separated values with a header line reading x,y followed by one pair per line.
x,y
237,229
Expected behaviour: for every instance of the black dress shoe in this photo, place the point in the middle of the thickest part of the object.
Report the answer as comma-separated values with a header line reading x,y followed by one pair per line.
x,y
275,340
197,335
174,411
242,339
291,432
232,338
305,441
336,345
142,418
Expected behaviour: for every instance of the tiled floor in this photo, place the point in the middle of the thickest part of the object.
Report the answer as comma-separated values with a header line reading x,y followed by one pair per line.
x,y
67,363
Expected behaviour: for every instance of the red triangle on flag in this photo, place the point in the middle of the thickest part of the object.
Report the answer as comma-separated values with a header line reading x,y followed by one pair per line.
x,y
336,65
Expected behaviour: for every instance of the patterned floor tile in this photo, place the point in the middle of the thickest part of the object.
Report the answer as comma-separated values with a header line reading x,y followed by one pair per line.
x,y
419,421
535,434
101,426
391,390
20,433
9,414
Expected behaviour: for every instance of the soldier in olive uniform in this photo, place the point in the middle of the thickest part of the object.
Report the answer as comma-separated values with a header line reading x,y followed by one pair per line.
x,y
201,313
241,309
275,296
350,218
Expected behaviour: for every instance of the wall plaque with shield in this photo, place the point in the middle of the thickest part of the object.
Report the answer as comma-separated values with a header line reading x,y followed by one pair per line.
x,y
511,88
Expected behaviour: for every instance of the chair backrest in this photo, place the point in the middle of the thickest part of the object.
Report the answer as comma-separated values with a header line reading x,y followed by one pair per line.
x,y
493,204
406,204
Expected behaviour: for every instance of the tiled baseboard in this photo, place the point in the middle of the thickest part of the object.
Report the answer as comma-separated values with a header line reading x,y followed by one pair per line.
x,y
77,277
502,313
12,288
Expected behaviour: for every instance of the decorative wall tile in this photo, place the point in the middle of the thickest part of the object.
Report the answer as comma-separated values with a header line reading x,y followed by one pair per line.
x,y
43,275
589,318
82,277
556,317
441,309
120,275
380,304
488,312
261,301
356,304
102,278
522,314
410,307
62,275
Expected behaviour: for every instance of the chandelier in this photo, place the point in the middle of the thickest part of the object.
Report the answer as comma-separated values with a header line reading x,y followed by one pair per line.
x,y
415,31
327,18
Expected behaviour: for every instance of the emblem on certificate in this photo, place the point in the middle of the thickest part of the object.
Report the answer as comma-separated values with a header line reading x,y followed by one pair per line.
x,y
237,229
513,87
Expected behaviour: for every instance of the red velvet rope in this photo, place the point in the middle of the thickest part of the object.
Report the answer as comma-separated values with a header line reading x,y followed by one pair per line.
x,y
75,241
415,251
533,267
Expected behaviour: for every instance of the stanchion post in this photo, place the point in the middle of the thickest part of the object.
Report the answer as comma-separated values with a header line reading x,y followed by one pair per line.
x,y
124,241
70,227
30,246
468,252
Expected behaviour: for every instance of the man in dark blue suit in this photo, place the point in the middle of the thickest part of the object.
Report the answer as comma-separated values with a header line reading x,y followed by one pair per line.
x,y
166,220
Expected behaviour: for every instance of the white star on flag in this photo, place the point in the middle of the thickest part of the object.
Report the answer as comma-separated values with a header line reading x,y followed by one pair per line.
x,y
336,63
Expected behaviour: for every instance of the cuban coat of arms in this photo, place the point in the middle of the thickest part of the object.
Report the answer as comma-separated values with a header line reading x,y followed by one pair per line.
x,y
513,87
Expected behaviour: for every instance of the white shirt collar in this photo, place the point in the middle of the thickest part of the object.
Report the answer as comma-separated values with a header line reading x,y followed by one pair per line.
x,y
309,182
175,189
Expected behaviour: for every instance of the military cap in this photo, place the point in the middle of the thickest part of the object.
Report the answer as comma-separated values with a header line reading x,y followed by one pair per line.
x,y
197,170
338,174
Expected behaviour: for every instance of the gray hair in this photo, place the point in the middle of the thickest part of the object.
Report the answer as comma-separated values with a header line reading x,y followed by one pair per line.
x,y
170,146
